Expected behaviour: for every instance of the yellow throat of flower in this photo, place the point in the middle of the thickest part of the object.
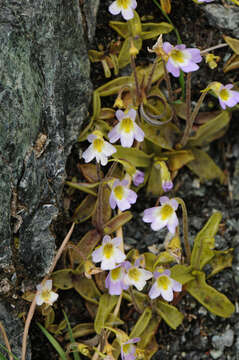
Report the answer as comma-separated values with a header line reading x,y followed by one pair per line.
x,y
224,94
108,250
177,56
166,211
127,125
134,274
119,192
163,282
126,348
115,273
123,3
98,145
46,295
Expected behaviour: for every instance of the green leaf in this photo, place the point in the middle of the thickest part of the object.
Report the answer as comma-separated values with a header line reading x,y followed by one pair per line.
x,y
141,323
152,30
113,87
221,260
169,313
141,300
128,166
85,187
85,210
182,273
53,342
135,156
121,28
50,317
233,43
216,302
177,159
81,330
204,242
86,288
154,186
204,167
164,258
117,221
150,259
89,172
211,130
75,352
147,342
163,136
62,279
106,305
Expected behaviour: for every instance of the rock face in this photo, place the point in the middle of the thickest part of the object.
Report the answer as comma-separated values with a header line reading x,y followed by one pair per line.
x,y
45,91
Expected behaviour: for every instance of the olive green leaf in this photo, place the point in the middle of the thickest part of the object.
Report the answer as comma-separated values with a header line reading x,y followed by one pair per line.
x,y
203,246
117,221
216,302
85,210
86,288
135,156
169,313
204,167
152,30
106,305
221,260
181,273
62,279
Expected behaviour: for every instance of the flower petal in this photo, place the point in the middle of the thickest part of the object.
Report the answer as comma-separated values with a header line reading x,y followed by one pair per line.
x,y
127,14
114,9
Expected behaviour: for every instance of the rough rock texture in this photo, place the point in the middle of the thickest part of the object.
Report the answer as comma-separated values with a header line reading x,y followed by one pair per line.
x,y
223,17
45,91
14,330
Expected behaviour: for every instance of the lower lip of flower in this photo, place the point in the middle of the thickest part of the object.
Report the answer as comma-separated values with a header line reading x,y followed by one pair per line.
x,y
163,282
224,94
127,125
119,192
98,145
108,251
134,274
123,3
166,211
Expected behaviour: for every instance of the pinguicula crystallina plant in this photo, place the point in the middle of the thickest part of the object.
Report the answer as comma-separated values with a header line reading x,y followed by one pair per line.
x,y
154,136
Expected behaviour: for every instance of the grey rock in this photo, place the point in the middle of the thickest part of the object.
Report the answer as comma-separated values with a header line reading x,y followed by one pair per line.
x,y
223,340
14,330
90,8
223,17
235,182
216,354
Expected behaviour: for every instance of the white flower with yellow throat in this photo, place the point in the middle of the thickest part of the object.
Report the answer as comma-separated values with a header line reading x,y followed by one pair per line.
x,y
99,149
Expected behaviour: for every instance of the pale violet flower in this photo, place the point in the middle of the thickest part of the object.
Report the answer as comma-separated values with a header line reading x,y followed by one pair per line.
x,y
138,177
114,281
167,185
163,215
126,130
226,96
45,293
135,275
125,7
121,195
181,58
108,253
128,350
164,286
204,1
99,149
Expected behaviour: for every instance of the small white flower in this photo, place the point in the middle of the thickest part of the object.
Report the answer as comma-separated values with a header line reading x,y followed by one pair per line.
x,y
126,7
164,286
108,253
121,195
163,215
99,149
45,295
126,130
136,276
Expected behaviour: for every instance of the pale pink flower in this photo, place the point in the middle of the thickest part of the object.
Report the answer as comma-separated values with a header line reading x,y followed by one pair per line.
x,y
126,130
226,96
128,350
164,286
45,293
181,58
99,149
163,215
121,196
108,253
135,275
125,7
114,281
